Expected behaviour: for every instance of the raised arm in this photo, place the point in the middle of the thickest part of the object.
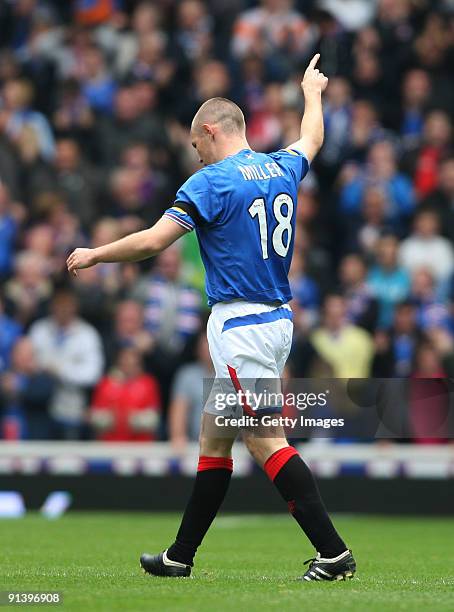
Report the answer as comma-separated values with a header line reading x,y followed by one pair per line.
x,y
312,131
134,247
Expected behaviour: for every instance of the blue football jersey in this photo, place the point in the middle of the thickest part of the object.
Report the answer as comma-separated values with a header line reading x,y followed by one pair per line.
x,y
243,209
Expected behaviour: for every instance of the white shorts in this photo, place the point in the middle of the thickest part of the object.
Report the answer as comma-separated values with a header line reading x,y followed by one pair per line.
x,y
249,345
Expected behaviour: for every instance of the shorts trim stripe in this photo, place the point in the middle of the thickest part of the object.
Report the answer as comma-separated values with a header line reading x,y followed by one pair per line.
x,y
268,410
236,383
258,319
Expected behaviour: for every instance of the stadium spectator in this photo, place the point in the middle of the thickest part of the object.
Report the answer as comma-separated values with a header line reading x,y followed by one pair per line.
x,y
210,78
107,228
430,48
193,36
337,115
152,62
317,259
98,86
172,314
130,123
146,18
276,32
264,126
346,349
127,198
395,348
253,73
73,177
363,233
94,13
129,331
441,199
78,181
352,14
71,350
431,311
366,129
188,396
389,282
73,116
381,170
25,127
362,307
10,332
39,241
423,162
9,228
153,186
65,226
172,309
26,393
306,295
95,297
425,247
429,399
28,291
126,403
368,77
416,91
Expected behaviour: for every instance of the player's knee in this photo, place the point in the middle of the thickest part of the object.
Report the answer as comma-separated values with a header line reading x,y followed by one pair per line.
x,y
262,448
215,447
211,444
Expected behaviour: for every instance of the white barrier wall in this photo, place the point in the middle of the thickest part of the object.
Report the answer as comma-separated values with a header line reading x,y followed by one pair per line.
x,y
379,460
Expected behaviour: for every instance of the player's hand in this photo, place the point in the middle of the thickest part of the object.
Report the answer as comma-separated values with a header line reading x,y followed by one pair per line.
x,y
79,259
314,81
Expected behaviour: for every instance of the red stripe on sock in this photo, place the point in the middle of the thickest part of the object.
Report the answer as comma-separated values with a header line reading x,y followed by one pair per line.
x,y
236,383
275,463
215,463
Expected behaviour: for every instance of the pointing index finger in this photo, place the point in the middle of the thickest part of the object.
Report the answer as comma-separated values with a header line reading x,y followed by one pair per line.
x,y
314,60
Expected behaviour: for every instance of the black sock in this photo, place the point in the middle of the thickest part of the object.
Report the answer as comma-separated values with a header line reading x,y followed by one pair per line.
x,y
296,484
210,487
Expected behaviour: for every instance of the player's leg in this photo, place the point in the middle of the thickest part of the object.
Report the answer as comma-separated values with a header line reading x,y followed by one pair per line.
x,y
282,463
211,483
296,484
212,479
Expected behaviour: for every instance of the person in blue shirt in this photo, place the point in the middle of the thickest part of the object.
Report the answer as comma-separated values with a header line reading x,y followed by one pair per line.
x,y
8,234
242,207
10,332
388,282
381,171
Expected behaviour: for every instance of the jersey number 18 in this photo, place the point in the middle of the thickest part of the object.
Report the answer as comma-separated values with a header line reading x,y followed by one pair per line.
x,y
284,223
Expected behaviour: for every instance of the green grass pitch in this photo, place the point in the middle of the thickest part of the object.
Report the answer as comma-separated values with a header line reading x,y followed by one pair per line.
x,y
246,563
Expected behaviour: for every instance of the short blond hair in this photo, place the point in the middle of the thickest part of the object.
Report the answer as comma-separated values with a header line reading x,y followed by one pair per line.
x,y
222,112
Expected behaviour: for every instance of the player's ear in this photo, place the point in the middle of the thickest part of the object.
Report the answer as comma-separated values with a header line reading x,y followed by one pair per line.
x,y
208,129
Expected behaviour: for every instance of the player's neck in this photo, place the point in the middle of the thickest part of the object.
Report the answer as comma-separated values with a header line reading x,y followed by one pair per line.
x,y
233,147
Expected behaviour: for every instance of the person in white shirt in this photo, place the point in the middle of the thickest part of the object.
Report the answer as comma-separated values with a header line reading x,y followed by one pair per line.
x,y
425,248
71,349
352,14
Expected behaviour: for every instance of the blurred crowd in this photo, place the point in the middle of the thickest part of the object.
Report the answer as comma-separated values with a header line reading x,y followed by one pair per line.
x,y
96,99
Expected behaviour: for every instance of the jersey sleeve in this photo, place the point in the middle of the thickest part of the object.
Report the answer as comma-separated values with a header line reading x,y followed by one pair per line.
x,y
293,160
195,203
